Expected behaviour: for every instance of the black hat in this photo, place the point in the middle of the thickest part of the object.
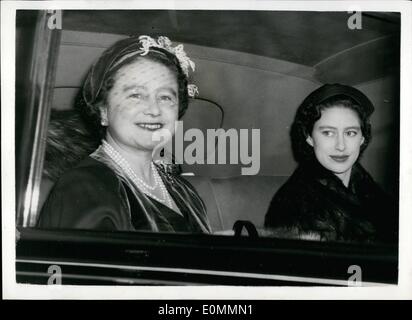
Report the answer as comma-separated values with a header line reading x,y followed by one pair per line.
x,y
331,90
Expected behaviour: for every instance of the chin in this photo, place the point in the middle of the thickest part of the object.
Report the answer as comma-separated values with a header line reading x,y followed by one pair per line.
x,y
150,147
144,147
337,169
340,170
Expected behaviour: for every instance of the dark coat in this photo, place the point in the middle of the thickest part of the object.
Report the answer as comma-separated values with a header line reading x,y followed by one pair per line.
x,y
314,200
92,196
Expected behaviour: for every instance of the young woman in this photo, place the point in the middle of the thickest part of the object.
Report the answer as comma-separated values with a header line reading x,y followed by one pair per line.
x,y
137,89
330,196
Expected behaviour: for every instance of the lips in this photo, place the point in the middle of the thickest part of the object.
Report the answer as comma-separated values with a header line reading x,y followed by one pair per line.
x,y
339,158
150,126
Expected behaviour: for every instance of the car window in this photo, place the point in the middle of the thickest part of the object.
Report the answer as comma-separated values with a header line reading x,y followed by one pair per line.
x,y
236,150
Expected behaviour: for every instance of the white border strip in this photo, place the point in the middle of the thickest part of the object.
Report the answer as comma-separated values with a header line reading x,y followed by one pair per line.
x,y
13,290
269,5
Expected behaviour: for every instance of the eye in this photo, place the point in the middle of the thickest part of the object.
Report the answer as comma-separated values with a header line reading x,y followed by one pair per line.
x,y
328,133
167,99
137,96
351,133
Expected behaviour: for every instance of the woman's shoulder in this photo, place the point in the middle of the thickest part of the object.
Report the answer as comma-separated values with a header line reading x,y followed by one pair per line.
x,y
364,184
297,184
297,196
291,193
284,208
89,169
87,196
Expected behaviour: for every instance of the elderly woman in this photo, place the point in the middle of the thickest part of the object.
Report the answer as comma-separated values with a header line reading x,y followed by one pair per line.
x,y
136,91
330,196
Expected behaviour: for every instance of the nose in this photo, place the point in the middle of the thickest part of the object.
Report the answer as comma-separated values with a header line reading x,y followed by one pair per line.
x,y
340,143
152,107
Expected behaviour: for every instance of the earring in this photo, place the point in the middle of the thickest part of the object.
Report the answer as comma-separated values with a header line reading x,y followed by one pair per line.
x,y
103,117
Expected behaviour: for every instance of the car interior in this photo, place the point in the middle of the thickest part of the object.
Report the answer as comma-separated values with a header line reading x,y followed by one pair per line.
x,y
251,76
253,69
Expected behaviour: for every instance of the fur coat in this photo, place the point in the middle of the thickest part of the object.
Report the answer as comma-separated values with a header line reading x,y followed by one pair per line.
x,y
315,201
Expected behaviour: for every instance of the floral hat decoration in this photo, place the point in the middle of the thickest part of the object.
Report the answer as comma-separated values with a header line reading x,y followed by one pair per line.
x,y
127,49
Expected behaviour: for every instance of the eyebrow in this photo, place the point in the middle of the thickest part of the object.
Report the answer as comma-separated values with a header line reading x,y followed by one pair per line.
x,y
331,127
173,91
132,87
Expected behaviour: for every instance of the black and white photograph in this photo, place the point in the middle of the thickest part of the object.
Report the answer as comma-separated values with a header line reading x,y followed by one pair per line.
x,y
225,150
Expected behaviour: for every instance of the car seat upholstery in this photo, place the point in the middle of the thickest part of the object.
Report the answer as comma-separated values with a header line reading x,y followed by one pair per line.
x,y
236,198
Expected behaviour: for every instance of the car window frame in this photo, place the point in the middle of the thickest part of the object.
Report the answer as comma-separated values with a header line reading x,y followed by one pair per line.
x,y
205,259
39,83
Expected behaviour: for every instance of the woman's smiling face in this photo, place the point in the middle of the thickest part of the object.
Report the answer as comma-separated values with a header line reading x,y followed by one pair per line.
x,y
336,140
142,103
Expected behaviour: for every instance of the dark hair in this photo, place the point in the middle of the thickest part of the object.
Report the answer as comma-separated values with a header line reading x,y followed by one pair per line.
x,y
91,111
311,109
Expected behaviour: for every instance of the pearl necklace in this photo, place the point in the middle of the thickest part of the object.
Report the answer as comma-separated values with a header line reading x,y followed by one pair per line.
x,y
141,184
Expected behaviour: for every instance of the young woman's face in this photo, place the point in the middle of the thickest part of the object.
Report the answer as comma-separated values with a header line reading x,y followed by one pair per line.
x,y
336,139
142,103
